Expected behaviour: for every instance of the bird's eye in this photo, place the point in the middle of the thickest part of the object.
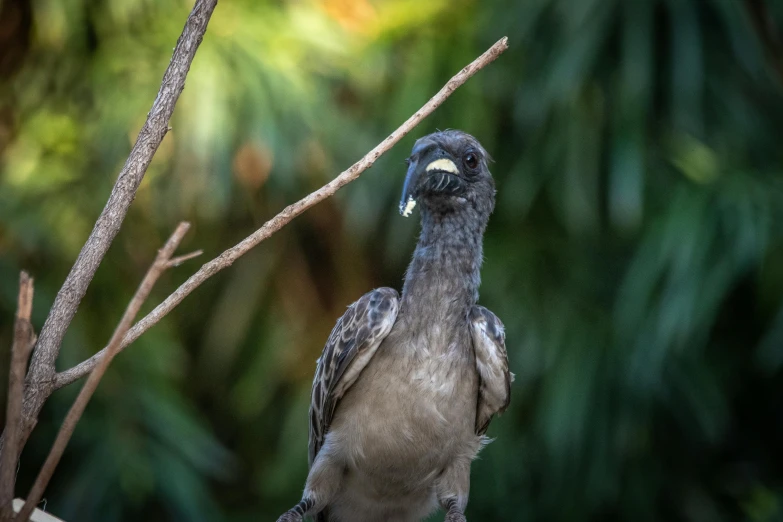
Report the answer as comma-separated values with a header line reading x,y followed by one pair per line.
x,y
471,160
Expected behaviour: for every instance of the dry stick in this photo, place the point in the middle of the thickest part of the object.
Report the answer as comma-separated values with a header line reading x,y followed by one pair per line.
x,y
20,352
228,257
161,263
42,368
181,259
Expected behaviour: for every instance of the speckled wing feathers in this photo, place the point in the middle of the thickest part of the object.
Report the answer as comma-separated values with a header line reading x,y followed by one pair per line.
x,y
351,345
489,342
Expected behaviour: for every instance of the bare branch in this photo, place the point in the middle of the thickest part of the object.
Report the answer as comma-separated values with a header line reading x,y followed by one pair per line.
x,y
160,264
40,378
228,257
108,224
20,353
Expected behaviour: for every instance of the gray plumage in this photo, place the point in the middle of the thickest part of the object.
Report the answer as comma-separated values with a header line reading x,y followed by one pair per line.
x,y
407,386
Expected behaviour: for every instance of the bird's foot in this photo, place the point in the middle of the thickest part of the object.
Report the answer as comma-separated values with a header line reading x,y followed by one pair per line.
x,y
454,516
290,516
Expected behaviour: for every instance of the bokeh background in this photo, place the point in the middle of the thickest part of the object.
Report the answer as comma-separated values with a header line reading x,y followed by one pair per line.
x,y
635,255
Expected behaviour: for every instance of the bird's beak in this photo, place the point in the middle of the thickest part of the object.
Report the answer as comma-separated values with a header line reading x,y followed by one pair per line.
x,y
435,160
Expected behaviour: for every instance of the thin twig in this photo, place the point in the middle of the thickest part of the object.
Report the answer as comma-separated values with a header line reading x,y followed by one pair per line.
x,y
20,352
181,259
228,257
160,264
42,367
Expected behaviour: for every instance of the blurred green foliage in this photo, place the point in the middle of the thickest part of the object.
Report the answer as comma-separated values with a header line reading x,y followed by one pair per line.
x,y
636,253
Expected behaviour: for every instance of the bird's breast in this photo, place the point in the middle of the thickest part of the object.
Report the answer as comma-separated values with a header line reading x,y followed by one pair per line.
x,y
413,409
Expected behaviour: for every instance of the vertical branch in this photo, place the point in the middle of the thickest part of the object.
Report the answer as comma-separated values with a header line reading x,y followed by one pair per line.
x,y
20,353
162,261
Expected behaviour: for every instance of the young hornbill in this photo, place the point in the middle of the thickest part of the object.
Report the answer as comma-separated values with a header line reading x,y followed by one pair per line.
x,y
406,386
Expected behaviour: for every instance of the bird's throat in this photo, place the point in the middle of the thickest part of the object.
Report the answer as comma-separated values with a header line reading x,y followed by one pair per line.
x,y
444,274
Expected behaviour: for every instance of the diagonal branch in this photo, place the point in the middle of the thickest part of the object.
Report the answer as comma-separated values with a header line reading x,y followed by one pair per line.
x,y
20,353
108,224
228,257
161,263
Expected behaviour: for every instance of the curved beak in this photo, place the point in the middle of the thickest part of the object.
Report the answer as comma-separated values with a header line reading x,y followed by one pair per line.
x,y
409,189
433,159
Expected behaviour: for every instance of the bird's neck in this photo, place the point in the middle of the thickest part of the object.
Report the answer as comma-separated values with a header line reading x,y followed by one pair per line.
x,y
444,275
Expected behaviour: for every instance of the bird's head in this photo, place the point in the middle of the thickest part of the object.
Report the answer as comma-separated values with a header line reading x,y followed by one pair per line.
x,y
447,171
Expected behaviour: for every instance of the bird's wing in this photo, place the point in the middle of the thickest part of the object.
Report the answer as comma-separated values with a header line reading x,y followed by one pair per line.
x,y
351,345
489,342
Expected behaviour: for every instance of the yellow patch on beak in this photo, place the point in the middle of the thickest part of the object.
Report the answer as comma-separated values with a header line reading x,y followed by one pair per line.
x,y
444,165
409,207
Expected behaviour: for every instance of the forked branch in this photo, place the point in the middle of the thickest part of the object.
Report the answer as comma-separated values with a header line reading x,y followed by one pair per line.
x,y
124,191
161,263
40,377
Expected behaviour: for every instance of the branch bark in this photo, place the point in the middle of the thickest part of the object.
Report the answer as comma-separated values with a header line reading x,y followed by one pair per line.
x,y
20,353
161,263
39,382
228,257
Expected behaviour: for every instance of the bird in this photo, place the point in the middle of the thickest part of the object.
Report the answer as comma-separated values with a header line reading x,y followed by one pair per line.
x,y
407,385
